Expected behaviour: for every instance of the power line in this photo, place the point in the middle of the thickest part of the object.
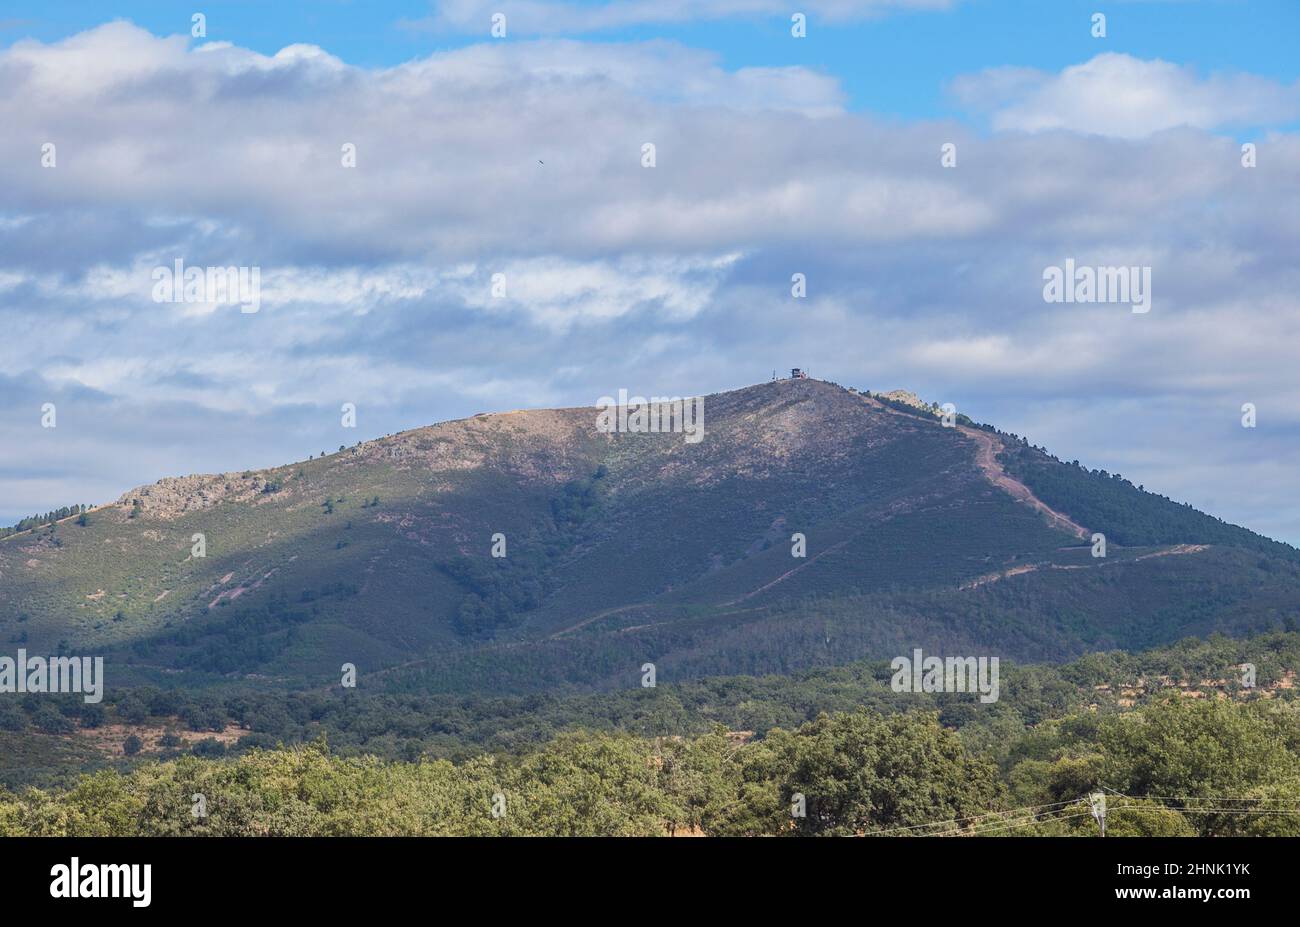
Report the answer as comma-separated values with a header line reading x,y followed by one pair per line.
x,y
996,821
949,822
1019,821
996,826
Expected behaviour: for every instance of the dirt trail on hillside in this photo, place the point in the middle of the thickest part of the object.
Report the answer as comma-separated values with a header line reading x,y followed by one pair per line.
x,y
788,573
986,457
1171,551
748,595
987,446
1176,549
586,621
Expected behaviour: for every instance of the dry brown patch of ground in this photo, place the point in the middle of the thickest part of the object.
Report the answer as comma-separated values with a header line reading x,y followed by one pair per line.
x,y
109,738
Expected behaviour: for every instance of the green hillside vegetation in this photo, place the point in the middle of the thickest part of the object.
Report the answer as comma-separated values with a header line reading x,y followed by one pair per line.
x,y
627,548
1046,615
30,758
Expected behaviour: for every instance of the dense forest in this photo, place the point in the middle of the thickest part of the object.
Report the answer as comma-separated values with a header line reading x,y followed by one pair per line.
x,y
499,590
1168,733
396,724
1174,767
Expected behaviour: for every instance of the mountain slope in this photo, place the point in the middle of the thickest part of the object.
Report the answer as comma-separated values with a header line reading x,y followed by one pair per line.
x,y
623,548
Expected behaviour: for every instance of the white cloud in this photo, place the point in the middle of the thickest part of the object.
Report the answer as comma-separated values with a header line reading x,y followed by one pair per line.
x,y
1126,97
673,280
558,294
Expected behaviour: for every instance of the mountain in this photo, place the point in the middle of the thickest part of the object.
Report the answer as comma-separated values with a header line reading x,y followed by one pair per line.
x,y
628,548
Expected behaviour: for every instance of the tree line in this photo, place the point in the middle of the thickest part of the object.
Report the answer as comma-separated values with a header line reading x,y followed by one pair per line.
x,y
37,521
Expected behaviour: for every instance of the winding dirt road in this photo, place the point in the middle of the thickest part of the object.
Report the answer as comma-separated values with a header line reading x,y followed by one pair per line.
x,y
1174,550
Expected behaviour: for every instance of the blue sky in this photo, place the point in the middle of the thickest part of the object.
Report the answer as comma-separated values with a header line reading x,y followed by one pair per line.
x,y
896,63
775,155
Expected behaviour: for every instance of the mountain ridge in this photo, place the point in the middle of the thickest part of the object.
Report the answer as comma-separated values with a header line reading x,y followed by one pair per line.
x,y
381,554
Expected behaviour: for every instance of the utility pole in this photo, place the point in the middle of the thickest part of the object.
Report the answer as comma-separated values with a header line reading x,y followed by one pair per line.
x,y
1097,801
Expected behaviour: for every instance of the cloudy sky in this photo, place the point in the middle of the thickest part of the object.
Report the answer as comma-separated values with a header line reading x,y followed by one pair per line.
x,y
522,156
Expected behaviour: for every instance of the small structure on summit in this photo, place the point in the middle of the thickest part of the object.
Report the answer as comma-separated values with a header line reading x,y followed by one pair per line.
x,y
797,374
